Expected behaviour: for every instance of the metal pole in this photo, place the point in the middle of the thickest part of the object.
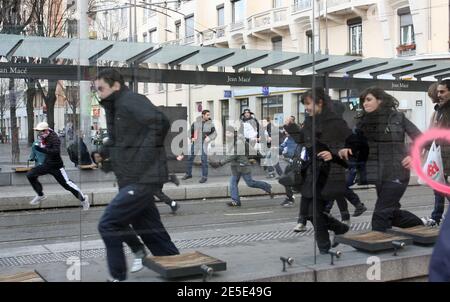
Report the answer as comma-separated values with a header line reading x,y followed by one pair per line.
x,y
135,23
130,28
313,155
326,28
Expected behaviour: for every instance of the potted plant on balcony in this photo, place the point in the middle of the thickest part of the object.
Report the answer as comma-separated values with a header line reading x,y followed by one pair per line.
x,y
406,47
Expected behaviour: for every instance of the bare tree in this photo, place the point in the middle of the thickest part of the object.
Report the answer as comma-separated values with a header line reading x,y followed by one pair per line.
x,y
15,16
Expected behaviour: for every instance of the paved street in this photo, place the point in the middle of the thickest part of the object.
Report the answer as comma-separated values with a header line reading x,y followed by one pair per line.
x,y
205,225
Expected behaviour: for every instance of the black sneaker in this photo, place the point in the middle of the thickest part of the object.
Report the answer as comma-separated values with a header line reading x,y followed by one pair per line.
x,y
287,203
174,206
203,180
186,177
233,203
359,210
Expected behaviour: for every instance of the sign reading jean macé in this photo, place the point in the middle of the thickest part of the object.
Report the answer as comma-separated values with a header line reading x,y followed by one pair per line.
x,y
239,79
13,70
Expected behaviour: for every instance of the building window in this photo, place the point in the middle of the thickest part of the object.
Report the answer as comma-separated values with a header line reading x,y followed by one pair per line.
x,y
152,34
124,17
300,110
309,41
145,37
220,15
146,11
277,3
277,43
189,29
225,116
273,107
177,30
406,27
355,36
238,11
243,105
145,88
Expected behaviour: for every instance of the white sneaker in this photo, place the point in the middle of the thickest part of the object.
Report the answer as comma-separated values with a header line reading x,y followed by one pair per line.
x,y
85,203
300,228
37,200
137,265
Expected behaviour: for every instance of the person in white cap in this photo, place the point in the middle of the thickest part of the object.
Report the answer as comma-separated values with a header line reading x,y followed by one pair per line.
x,y
53,165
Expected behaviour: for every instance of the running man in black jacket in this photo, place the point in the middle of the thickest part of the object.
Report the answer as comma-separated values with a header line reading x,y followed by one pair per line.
x,y
53,164
137,156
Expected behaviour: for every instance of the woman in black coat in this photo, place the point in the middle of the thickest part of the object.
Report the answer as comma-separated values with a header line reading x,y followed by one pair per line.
x,y
388,162
329,138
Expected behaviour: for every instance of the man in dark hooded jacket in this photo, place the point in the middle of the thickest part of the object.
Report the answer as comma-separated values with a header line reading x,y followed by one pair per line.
x,y
138,159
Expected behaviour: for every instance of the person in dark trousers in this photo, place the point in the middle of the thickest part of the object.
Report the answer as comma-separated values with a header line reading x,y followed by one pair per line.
x,y
439,94
385,129
203,132
328,138
439,270
266,146
287,150
53,164
135,153
240,167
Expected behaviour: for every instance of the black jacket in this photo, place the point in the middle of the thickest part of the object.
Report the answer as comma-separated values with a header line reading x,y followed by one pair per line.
x,y
52,151
136,130
385,132
331,133
442,120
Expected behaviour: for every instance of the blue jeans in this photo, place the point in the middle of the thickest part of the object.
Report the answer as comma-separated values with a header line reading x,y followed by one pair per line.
x,y
234,181
439,204
353,168
204,160
133,205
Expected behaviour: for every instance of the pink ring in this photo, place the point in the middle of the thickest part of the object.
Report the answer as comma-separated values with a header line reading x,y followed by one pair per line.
x,y
427,137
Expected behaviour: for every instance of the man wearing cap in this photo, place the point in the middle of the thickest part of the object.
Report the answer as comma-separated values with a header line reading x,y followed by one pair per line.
x,y
250,127
50,145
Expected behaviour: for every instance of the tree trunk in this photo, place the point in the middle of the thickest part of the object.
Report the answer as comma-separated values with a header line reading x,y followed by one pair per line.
x,y
50,101
31,92
15,149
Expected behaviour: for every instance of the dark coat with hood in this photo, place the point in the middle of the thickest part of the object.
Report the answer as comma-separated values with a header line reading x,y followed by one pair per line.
x,y
385,131
136,130
331,133
441,119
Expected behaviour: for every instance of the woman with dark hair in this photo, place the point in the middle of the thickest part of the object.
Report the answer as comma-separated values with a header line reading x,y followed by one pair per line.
x,y
385,129
328,138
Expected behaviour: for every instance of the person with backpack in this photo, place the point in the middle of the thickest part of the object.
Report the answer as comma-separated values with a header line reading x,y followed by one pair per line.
x,y
238,156
49,144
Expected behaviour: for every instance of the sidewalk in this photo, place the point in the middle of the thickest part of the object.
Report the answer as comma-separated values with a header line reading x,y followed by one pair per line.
x,y
101,193
250,259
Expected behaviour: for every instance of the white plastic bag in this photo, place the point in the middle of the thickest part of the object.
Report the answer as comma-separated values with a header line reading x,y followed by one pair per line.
x,y
433,166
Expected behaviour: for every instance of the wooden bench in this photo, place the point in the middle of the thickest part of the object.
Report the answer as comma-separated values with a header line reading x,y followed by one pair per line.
x,y
373,241
22,277
184,265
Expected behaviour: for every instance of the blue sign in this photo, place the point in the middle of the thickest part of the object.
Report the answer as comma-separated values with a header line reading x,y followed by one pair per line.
x,y
227,94
265,91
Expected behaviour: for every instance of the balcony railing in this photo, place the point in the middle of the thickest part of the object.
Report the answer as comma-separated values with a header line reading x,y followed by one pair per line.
x,y
268,18
237,25
300,5
211,34
189,40
333,3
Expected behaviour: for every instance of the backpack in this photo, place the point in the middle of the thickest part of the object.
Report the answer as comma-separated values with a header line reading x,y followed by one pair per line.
x,y
72,150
